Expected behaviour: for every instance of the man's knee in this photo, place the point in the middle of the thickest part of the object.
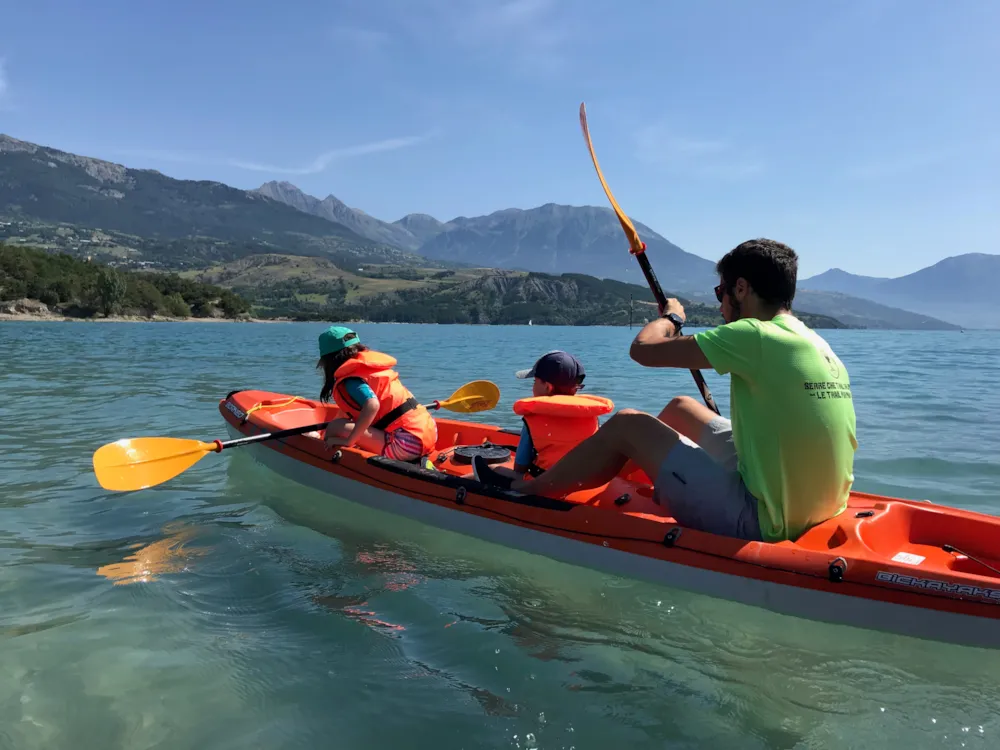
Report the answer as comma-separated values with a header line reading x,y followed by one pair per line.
x,y
680,405
629,414
625,419
642,438
622,423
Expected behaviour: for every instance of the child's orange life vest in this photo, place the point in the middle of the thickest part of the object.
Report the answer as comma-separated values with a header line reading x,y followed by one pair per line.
x,y
397,408
557,424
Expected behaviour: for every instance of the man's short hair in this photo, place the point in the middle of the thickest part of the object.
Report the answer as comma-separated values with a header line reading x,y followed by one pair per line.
x,y
770,267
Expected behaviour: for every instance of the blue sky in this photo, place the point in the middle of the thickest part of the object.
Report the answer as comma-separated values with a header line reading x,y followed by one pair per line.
x,y
864,134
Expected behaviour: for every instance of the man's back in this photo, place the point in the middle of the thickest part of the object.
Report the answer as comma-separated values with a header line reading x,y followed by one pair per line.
x,y
793,419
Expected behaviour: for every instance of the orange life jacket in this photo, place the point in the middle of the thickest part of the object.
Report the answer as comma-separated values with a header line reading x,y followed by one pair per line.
x,y
557,424
397,406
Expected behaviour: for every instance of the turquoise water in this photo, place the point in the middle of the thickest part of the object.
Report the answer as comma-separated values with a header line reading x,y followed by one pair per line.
x,y
275,617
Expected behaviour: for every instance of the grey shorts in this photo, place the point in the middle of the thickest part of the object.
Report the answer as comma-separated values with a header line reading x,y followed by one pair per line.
x,y
701,487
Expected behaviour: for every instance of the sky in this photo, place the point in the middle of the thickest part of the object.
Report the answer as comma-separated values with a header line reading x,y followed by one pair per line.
x,y
863,134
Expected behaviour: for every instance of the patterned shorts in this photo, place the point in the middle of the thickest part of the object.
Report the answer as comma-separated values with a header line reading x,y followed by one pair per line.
x,y
401,445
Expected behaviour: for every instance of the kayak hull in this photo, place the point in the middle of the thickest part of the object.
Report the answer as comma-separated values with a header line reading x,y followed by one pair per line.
x,y
833,576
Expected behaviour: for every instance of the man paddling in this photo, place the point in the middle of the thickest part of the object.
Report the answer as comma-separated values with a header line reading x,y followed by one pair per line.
x,y
785,461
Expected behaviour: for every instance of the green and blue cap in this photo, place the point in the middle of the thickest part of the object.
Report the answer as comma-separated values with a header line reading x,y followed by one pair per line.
x,y
335,338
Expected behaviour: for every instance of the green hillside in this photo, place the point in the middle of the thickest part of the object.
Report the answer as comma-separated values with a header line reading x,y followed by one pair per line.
x,y
78,288
316,289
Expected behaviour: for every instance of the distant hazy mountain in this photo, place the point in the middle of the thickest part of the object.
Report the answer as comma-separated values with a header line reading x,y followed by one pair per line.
x,y
856,312
565,239
421,226
960,289
333,209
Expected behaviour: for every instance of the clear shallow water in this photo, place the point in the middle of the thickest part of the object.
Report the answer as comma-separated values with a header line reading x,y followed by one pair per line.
x,y
277,617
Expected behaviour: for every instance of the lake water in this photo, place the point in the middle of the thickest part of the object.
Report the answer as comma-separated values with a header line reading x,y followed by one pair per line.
x,y
279,618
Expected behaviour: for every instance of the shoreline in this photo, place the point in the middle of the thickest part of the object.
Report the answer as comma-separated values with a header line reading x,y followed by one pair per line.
x,y
50,317
25,317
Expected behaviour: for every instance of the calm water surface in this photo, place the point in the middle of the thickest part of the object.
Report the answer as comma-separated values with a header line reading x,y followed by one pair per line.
x,y
280,618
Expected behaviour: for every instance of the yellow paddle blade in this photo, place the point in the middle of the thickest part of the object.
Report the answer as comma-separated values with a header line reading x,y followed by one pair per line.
x,y
479,395
137,463
630,232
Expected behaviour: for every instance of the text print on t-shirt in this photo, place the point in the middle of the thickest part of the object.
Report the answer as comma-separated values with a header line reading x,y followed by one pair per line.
x,y
821,390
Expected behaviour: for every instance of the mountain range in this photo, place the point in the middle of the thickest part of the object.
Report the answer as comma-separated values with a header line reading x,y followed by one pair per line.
x,y
586,239
167,220
960,289
547,239
62,200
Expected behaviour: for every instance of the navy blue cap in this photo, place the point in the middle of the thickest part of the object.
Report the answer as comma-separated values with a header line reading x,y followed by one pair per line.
x,y
558,369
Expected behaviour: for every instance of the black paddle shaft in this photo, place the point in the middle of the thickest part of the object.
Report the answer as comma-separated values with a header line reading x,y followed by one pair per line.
x,y
222,445
269,436
661,300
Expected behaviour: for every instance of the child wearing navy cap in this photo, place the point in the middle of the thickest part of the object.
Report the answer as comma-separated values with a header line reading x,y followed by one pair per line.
x,y
556,418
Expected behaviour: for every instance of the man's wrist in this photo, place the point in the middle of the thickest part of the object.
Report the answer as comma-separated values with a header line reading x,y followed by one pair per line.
x,y
676,320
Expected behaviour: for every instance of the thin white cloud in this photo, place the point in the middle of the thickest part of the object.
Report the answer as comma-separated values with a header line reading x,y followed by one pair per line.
x,y
321,162
531,35
699,157
532,32
359,39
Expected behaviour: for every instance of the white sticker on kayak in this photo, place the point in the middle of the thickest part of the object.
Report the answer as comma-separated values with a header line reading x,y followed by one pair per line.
x,y
908,558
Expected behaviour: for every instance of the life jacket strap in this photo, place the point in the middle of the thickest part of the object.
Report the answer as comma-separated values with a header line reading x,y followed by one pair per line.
x,y
409,405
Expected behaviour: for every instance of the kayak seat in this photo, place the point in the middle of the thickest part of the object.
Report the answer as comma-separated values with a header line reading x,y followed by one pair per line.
x,y
953,541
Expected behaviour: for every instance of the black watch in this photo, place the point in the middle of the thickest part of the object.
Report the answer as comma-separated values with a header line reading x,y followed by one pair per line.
x,y
675,319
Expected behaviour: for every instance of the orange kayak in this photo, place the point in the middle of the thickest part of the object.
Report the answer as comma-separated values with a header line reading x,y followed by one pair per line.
x,y
901,566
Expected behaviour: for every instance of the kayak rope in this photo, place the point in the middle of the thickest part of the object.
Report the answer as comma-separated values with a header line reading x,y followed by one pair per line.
x,y
261,405
956,551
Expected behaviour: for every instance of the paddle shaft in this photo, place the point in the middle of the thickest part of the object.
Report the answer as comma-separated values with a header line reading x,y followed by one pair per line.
x,y
221,445
638,249
661,301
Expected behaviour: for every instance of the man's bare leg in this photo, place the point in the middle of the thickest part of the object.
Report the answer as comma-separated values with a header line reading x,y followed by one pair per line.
x,y
686,416
629,434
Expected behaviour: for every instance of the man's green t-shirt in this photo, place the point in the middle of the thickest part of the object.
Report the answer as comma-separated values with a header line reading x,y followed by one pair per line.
x,y
793,420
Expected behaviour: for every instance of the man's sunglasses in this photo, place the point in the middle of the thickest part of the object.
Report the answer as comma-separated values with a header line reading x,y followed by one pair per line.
x,y
719,291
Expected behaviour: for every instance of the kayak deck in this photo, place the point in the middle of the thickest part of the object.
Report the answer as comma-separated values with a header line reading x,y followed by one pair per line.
x,y
882,550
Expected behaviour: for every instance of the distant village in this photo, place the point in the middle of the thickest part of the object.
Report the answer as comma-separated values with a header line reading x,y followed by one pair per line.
x,y
68,240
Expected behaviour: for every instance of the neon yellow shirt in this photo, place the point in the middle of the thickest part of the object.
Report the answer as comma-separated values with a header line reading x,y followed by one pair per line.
x,y
793,420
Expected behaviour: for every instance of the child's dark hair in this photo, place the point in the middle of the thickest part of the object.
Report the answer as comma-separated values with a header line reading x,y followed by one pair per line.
x,y
330,363
564,391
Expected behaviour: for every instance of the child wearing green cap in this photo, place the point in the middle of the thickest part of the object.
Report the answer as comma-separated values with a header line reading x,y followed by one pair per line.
x,y
383,417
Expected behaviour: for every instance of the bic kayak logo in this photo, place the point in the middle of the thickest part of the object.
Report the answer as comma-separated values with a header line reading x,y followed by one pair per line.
x,y
235,410
992,595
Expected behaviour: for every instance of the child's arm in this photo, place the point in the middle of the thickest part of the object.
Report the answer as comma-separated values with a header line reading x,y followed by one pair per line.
x,y
368,413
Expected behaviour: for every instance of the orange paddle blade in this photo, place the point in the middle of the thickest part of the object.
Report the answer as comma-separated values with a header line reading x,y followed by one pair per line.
x,y
138,463
630,232
479,395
